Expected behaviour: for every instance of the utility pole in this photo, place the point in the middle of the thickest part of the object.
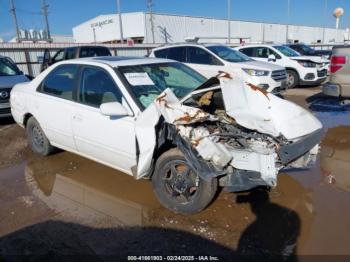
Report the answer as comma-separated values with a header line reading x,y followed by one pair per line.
x,y
288,17
120,22
150,10
45,7
13,11
324,21
229,20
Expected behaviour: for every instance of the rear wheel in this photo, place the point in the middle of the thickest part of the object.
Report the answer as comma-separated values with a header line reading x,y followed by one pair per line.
x,y
37,139
178,187
292,79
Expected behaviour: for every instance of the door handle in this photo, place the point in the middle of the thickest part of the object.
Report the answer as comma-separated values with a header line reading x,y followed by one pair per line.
x,y
78,118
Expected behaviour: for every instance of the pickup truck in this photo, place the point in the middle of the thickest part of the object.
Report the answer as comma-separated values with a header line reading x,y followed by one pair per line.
x,y
72,53
339,78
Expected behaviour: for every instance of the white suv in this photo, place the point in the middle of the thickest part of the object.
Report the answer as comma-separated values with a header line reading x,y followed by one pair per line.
x,y
209,59
301,70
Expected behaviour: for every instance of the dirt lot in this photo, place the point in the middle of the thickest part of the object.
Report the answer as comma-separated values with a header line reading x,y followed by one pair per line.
x,y
66,205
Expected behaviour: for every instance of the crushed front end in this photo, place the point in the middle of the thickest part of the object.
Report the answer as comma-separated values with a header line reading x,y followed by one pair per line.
x,y
233,131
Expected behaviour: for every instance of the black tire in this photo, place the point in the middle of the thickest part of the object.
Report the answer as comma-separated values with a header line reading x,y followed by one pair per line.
x,y
292,79
178,187
37,138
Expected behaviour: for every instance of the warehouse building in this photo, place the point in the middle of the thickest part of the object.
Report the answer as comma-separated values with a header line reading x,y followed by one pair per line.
x,y
141,27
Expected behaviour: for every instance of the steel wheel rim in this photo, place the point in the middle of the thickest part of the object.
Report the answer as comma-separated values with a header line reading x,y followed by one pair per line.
x,y
38,137
180,181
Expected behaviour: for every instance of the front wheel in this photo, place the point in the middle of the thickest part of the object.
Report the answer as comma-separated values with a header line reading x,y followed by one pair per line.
x,y
292,79
178,187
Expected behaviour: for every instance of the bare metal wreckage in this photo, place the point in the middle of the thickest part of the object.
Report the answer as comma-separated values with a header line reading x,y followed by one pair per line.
x,y
231,130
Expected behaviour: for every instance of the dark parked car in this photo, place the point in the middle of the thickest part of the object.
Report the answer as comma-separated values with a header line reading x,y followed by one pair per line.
x,y
306,50
73,52
10,75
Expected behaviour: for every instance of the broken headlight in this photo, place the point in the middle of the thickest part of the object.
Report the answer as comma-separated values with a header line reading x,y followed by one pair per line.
x,y
254,72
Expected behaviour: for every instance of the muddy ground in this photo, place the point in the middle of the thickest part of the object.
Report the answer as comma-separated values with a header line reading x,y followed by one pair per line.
x,y
66,205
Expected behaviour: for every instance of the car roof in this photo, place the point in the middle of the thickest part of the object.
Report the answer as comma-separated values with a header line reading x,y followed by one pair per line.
x,y
188,44
117,61
263,45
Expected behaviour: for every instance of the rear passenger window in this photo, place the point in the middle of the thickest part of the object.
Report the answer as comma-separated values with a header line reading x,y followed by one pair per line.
x,y
247,51
262,52
61,82
97,87
70,53
163,53
91,52
177,54
200,56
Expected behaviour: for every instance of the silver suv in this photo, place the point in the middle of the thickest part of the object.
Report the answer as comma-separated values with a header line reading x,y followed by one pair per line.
x,y
10,75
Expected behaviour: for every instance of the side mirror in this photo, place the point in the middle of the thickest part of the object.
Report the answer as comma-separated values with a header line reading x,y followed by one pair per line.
x,y
113,109
271,58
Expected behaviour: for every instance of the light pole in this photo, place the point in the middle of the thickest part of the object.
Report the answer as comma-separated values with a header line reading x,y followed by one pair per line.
x,y
324,21
229,21
120,22
288,20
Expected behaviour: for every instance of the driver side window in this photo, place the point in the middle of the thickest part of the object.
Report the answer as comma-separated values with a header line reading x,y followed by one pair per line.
x,y
97,87
58,57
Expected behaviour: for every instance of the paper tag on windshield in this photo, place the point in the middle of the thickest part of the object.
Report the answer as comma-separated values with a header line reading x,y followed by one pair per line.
x,y
139,79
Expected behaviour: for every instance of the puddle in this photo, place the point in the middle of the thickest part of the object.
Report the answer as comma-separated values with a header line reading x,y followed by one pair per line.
x,y
295,214
308,212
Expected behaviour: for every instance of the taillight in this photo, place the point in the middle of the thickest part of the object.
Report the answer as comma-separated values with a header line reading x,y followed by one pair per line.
x,y
337,63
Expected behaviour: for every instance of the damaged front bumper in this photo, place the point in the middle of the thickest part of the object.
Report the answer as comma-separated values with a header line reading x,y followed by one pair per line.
x,y
244,144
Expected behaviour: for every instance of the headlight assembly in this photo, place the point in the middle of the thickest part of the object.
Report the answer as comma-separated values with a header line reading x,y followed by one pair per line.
x,y
254,72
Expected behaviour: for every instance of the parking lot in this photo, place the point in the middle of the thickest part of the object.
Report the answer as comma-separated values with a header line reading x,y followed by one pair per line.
x,y
65,204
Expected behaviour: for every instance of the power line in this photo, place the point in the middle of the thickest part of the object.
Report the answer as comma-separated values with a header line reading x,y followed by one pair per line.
x,y
14,15
45,8
150,10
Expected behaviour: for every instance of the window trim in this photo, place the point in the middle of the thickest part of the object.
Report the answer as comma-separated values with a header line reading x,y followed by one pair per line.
x,y
79,78
174,47
39,89
220,63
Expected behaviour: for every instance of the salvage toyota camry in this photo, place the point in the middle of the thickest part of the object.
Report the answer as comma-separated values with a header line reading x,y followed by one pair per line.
x,y
159,119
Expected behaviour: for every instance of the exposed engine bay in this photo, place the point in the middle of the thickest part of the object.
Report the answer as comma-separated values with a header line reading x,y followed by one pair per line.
x,y
217,144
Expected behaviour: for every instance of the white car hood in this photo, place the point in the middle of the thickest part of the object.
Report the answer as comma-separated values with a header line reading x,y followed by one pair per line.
x,y
315,59
255,109
259,65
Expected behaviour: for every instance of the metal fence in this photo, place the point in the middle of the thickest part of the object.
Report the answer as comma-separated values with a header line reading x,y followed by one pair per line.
x,y
28,55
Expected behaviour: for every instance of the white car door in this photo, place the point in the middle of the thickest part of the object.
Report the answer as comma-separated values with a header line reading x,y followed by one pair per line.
x,y
110,140
53,105
203,62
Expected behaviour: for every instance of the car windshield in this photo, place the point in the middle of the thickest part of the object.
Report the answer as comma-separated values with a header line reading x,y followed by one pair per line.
x,y
286,50
148,81
8,68
228,54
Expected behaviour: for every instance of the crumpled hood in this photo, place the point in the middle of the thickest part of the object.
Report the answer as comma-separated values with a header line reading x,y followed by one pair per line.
x,y
255,109
250,107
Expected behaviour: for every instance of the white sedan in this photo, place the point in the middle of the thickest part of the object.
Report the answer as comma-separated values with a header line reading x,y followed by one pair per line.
x,y
159,119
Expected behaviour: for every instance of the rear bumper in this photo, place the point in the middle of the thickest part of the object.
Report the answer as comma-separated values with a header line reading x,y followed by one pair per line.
x,y
336,90
330,89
